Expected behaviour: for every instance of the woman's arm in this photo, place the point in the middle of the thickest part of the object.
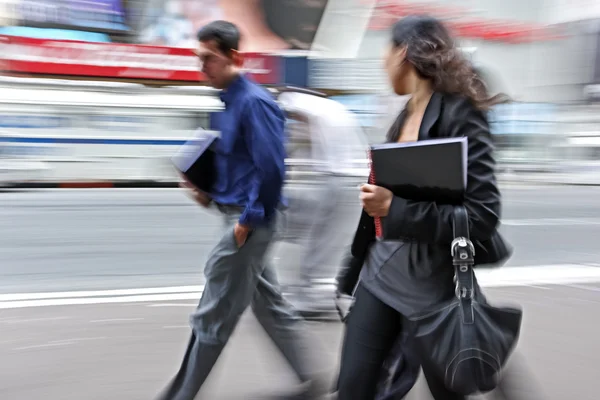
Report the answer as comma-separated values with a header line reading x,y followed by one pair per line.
x,y
431,222
349,273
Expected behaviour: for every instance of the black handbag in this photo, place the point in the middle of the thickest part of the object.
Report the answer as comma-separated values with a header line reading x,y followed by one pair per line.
x,y
464,341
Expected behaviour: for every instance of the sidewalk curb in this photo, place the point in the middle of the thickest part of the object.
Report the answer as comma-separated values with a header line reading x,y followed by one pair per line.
x,y
540,180
154,184
93,185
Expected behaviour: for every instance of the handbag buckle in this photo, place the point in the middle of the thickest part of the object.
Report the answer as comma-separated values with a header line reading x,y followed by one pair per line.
x,y
462,251
462,293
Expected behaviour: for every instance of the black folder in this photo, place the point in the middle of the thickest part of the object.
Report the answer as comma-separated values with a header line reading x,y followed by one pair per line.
x,y
428,170
195,159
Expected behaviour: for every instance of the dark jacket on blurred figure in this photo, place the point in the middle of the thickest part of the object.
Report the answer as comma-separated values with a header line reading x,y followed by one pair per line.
x,y
425,228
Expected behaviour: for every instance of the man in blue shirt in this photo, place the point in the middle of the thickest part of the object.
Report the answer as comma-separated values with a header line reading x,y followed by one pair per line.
x,y
250,170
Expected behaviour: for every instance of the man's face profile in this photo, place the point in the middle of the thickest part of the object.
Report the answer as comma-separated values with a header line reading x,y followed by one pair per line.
x,y
214,64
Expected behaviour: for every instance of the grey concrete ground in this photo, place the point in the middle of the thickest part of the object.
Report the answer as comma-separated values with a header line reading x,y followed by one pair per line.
x,y
65,240
128,351
564,172
68,240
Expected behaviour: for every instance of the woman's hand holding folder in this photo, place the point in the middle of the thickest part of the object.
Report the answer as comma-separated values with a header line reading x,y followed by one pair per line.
x,y
376,200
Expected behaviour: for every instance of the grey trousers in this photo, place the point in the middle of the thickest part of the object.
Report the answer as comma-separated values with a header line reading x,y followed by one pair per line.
x,y
235,279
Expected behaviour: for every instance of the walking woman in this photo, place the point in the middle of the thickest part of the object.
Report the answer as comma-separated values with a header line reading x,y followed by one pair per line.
x,y
411,268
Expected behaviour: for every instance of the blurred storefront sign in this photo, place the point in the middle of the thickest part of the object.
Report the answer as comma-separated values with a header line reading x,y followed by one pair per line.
x,y
93,15
347,74
592,91
123,61
266,25
460,20
55,34
566,11
7,17
366,107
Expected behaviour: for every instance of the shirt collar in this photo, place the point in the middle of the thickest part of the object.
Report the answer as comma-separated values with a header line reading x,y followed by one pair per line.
x,y
234,88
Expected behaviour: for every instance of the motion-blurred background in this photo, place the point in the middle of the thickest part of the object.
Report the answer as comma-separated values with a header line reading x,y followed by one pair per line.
x,y
101,256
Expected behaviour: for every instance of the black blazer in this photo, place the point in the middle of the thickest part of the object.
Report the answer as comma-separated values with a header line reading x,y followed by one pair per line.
x,y
430,222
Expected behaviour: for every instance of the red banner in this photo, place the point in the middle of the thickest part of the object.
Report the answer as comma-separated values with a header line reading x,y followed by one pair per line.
x,y
62,57
386,13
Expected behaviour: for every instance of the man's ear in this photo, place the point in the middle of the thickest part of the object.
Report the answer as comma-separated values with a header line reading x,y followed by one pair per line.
x,y
238,58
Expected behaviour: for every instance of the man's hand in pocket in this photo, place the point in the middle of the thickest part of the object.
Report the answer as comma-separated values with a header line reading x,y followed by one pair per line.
x,y
241,232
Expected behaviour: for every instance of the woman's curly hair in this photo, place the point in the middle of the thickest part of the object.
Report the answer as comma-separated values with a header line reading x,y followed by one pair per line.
x,y
431,50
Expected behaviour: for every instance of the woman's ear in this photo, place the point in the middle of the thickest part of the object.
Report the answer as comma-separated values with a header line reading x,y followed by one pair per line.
x,y
400,55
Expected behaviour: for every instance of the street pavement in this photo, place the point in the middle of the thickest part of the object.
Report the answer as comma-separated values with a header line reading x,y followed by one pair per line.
x,y
66,240
564,172
129,351
126,344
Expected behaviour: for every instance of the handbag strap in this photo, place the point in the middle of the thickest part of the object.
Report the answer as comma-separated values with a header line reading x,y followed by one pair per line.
x,y
463,258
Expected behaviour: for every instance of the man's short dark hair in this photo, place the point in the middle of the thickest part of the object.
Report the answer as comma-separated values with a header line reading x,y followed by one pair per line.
x,y
225,34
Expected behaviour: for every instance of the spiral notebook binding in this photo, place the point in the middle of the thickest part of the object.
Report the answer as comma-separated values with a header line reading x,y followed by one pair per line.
x,y
378,230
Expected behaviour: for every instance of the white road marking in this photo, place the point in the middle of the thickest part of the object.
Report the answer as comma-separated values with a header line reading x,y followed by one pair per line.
x,y
100,321
590,301
67,301
10,341
174,305
74,340
63,342
538,275
539,287
542,275
98,293
551,222
40,346
25,321
590,288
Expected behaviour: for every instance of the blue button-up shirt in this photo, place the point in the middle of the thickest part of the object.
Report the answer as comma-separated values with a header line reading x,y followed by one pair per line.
x,y
250,156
